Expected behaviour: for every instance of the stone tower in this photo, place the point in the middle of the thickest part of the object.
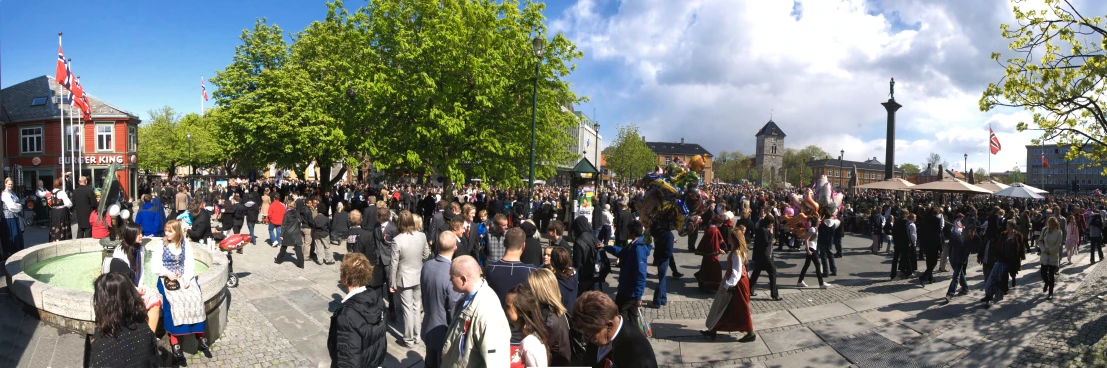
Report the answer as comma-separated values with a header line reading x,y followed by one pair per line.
x,y
770,152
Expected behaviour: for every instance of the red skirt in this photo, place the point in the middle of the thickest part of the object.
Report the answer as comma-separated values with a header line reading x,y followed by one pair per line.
x,y
710,274
737,315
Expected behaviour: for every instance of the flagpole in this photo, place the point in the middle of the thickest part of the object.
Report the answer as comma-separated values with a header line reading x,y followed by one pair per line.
x,y
201,96
989,173
61,118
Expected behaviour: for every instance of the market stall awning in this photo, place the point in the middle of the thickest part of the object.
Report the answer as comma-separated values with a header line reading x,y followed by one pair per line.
x,y
890,184
951,185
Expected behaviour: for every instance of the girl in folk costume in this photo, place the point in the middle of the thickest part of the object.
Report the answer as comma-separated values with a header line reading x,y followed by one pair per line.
x,y
182,304
730,310
1073,238
710,248
59,204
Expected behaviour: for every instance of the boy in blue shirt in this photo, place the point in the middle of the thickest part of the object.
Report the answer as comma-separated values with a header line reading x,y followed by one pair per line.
x,y
632,273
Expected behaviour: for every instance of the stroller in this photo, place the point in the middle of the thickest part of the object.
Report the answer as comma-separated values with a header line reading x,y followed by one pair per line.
x,y
229,244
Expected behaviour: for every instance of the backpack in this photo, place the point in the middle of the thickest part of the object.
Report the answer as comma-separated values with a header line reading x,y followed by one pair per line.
x,y
1097,221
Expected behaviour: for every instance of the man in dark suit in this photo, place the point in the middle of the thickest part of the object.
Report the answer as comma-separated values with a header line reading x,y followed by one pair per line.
x,y
369,214
84,202
763,254
597,318
623,219
386,241
253,209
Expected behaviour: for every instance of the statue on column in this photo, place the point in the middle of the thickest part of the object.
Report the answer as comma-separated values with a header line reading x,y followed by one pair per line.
x,y
892,90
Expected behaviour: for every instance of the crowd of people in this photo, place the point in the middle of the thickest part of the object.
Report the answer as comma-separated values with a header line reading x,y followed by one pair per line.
x,y
514,277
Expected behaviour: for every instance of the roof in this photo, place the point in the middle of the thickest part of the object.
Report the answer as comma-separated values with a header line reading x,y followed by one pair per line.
x,y
17,101
770,129
833,162
667,148
585,166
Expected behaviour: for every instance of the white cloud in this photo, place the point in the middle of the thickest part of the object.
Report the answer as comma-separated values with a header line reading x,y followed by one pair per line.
x,y
712,70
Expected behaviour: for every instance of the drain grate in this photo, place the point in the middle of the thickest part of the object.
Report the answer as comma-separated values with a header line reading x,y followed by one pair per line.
x,y
874,350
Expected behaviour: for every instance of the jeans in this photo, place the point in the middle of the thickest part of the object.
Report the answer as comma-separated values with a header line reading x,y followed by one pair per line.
x,y
1097,246
958,278
826,258
663,243
1049,276
997,281
811,258
250,228
275,234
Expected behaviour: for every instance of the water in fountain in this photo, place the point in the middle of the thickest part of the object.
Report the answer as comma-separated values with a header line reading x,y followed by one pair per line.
x,y
78,271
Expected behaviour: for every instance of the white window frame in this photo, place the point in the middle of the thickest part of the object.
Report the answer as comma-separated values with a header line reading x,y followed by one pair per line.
x,y
40,135
132,138
111,136
69,143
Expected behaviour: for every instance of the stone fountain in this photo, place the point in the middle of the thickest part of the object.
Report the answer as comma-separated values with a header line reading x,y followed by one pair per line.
x,y
54,282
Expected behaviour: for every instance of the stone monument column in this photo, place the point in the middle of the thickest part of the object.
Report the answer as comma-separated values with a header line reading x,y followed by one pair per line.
x,y
890,148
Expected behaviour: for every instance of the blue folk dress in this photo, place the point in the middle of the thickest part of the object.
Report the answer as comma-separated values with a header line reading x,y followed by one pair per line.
x,y
176,264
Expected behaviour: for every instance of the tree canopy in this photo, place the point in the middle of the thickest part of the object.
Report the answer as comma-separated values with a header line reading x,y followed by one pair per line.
x,y
628,156
795,163
163,141
732,167
415,86
910,169
1056,69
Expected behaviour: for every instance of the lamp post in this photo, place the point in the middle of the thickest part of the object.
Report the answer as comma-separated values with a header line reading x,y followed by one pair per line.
x,y
189,135
841,166
539,45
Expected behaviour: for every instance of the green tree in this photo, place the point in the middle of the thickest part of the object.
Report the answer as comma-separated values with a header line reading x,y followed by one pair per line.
x,y
1015,175
732,167
795,163
980,175
628,156
1056,70
910,169
157,142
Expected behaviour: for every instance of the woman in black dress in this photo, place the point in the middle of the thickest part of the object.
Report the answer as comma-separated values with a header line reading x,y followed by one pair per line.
x,y
122,338
59,204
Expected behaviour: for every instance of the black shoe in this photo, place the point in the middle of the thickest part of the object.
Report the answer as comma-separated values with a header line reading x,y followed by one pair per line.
x,y
205,346
777,298
753,294
839,255
678,275
835,273
178,354
709,334
328,263
1045,288
277,260
1049,297
893,277
749,337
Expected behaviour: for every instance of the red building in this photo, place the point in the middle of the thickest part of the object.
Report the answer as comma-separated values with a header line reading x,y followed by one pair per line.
x,y
32,146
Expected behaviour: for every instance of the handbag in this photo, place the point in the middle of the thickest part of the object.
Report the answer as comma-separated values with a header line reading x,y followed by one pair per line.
x,y
171,285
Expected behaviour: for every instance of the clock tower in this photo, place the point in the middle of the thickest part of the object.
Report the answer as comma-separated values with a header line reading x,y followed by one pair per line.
x,y
770,152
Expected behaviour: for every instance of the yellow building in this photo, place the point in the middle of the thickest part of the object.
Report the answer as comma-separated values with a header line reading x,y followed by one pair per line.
x,y
668,152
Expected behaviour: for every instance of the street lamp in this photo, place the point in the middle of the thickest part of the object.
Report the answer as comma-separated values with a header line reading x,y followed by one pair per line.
x,y
841,167
539,44
189,135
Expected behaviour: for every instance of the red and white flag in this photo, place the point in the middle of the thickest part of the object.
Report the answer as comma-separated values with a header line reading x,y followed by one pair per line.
x,y
82,97
203,89
994,141
61,73
1044,162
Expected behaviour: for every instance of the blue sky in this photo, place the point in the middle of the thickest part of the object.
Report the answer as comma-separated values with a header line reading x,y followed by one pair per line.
x,y
710,71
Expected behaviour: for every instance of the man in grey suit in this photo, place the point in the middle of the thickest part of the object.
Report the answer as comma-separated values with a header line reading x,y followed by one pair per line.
x,y
439,298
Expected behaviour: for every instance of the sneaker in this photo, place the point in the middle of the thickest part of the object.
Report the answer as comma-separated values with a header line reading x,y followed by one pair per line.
x,y
825,285
801,284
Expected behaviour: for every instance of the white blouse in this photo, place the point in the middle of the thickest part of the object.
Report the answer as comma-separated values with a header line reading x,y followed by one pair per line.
x,y
534,353
157,251
139,257
736,268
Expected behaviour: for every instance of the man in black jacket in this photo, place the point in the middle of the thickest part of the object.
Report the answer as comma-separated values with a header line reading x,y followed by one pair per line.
x,y
84,202
357,332
623,219
597,318
201,222
253,209
584,256
364,241
763,255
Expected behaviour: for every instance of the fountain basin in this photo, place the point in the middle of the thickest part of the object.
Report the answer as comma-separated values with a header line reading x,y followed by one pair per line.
x,y
66,302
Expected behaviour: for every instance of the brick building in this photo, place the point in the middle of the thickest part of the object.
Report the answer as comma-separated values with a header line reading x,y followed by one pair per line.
x,y
30,113
839,172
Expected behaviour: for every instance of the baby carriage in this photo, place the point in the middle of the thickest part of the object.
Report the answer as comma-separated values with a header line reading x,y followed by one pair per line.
x,y
229,244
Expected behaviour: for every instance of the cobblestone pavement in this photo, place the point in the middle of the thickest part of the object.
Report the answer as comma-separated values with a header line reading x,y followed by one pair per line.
x,y
279,316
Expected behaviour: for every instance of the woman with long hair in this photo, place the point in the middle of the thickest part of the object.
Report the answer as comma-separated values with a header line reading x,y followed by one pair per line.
x,y
1051,255
543,284
122,338
735,314
174,263
525,314
131,251
59,203
561,263
408,254
711,246
1073,239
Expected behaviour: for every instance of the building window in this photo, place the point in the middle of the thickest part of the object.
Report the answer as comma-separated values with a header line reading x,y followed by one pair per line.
x,y
30,140
132,138
774,149
73,138
104,134
38,101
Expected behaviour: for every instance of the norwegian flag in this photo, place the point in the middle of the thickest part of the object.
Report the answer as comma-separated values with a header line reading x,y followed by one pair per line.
x,y
61,74
86,108
1044,162
203,90
994,141
75,95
